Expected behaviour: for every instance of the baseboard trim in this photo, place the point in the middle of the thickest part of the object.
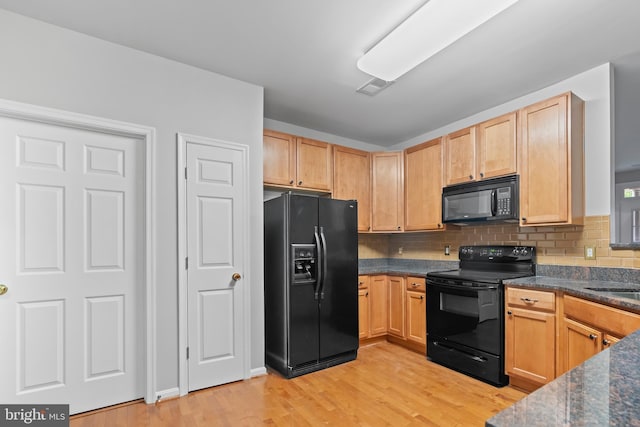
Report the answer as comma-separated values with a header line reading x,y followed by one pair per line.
x,y
170,393
257,372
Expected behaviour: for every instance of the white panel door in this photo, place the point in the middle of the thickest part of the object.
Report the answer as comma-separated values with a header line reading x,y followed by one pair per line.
x,y
216,217
71,247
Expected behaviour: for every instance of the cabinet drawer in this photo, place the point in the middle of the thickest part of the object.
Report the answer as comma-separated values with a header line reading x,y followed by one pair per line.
x,y
363,282
532,299
417,284
610,319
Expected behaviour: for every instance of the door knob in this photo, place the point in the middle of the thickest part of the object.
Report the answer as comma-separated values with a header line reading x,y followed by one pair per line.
x,y
236,276
3,289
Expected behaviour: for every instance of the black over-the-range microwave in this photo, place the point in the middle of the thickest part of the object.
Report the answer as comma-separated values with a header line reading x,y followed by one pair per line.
x,y
494,199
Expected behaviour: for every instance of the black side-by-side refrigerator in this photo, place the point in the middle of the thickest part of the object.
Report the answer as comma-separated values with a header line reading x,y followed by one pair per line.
x,y
311,283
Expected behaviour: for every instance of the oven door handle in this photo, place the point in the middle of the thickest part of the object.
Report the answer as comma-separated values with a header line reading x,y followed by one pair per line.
x,y
475,358
459,288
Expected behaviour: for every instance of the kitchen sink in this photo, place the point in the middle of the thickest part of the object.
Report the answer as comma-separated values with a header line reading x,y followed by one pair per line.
x,y
633,293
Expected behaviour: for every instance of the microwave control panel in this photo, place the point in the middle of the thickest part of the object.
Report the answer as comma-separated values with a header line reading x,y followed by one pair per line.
x,y
503,197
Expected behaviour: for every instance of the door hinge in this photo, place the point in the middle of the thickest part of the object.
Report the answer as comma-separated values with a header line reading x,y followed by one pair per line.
x,y
187,353
186,263
185,173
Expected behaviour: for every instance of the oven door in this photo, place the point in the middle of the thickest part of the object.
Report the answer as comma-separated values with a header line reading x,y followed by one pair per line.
x,y
465,315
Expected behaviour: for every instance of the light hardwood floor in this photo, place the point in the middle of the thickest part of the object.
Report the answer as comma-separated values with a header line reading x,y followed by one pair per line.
x,y
386,386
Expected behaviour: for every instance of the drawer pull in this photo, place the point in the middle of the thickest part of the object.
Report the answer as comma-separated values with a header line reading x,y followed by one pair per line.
x,y
606,342
529,300
509,313
415,285
592,336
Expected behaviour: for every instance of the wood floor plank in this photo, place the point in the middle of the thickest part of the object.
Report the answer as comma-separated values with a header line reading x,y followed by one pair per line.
x,y
386,385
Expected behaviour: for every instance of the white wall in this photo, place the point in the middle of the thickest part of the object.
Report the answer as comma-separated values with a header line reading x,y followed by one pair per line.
x,y
53,67
321,136
594,87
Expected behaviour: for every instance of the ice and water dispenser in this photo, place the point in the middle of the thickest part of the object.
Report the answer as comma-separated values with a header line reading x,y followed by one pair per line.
x,y
304,263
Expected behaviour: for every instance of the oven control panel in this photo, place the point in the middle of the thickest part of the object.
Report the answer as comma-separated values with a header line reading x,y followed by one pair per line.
x,y
497,253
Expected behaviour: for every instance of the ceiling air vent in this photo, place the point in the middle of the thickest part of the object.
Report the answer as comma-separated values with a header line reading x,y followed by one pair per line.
x,y
374,86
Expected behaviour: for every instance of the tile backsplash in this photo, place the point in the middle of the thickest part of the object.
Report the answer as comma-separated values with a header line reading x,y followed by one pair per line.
x,y
556,245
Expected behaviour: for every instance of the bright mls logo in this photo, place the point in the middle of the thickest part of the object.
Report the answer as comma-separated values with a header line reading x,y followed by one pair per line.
x,y
34,415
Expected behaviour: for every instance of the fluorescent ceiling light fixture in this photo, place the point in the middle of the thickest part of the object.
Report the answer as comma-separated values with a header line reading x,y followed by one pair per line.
x,y
433,27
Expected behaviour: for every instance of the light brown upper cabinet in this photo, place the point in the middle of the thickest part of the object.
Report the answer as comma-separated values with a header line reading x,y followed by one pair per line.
x,y
496,147
484,151
387,191
460,156
551,162
279,158
295,162
352,180
423,186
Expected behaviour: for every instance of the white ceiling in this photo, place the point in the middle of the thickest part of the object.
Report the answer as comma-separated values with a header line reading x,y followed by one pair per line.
x,y
304,53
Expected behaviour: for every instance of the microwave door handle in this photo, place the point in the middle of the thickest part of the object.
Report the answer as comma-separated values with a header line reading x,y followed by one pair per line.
x,y
494,202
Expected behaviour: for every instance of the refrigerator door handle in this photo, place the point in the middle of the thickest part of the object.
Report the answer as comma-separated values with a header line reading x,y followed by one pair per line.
x,y
323,262
319,263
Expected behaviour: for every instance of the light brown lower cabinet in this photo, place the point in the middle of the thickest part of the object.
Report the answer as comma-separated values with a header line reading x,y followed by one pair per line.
x,y
377,306
396,306
588,328
530,337
363,312
404,313
417,312
548,333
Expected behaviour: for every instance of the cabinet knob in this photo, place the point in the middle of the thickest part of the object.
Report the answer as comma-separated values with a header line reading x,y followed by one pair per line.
x,y
509,313
592,336
299,182
367,294
399,227
470,176
421,297
481,175
524,219
606,342
439,225
291,182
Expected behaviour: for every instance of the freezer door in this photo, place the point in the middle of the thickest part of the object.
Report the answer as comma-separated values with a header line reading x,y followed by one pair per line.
x,y
338,221
302,304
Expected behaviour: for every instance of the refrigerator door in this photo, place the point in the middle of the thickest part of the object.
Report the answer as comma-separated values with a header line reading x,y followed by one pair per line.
x,y
302,304
338,221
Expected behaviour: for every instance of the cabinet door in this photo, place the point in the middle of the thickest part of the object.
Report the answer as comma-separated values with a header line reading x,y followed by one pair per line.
x,y
314,164
396,306
551,162
497,147
609,340
423,186
352,180
378,306
530,345
460,156
279,158
581,342
363,313
387,192
416,317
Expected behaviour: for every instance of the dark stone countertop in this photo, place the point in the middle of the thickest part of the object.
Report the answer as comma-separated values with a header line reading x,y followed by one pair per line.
x,y
580,288
403,267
